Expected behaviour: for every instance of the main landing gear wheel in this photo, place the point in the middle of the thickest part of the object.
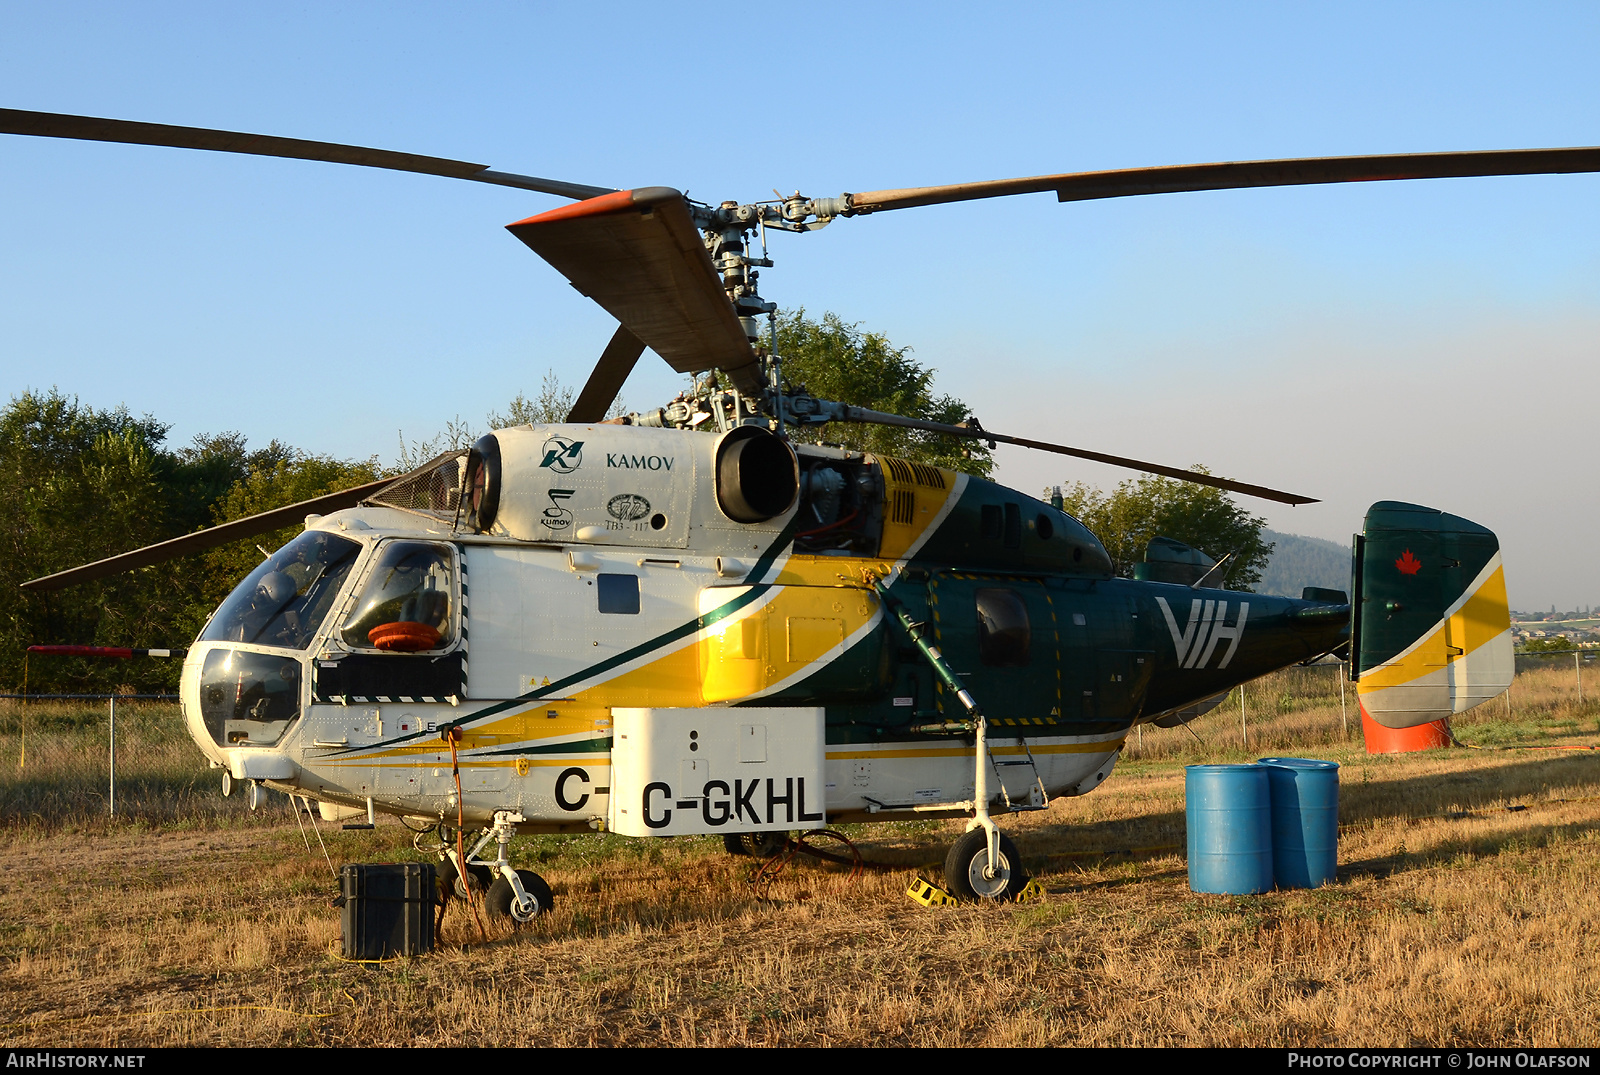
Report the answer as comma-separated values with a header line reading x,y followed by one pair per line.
x,y
964,869
761,845
501,902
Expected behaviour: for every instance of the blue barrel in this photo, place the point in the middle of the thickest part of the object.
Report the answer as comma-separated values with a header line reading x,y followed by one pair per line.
x,y
1305,820
1229,814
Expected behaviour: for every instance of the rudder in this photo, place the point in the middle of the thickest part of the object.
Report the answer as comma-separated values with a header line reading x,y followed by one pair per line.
x,y
1431,627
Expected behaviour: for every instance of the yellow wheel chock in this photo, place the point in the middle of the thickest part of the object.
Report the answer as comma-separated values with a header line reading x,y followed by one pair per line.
x,y
930,895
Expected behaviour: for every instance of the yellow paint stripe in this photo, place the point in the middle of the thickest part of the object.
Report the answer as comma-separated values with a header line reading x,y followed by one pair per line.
x,y
832,755
806,583
435,749
402,753
498,763
808,589
1480,619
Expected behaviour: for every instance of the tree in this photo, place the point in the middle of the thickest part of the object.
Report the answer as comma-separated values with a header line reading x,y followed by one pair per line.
x,y
1201,516
837,361
286,481
1558,644
81,484
550,406
457,434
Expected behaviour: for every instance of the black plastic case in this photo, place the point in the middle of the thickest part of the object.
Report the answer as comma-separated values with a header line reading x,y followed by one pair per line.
x,y
388,909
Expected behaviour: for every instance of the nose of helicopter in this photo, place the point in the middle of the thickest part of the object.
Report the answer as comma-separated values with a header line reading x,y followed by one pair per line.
x,y
189,702
233,714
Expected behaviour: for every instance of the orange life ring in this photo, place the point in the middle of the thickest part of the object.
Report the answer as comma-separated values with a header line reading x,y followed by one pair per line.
x,y
404,636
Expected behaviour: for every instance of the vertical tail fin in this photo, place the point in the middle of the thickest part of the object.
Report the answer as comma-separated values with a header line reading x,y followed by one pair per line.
x,y
1431,628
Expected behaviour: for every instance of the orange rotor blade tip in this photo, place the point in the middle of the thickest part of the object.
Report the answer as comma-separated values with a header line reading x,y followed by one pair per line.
x,y
615,202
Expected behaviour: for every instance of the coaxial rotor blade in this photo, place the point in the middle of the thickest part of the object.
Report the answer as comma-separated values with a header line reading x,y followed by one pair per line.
x,y
639,255
237,530
1230,175
843,412
201,540
605,380
90,128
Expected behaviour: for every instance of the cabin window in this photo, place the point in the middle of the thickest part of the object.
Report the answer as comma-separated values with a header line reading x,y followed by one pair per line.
x,y
990,520
1013,526
619,594
406,605
1003,631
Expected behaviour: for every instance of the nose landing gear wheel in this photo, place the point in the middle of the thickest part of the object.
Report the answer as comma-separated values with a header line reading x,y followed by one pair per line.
x,y
482,878
501,902
965,873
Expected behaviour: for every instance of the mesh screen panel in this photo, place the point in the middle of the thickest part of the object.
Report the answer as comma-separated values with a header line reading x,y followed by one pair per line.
x,y
433,488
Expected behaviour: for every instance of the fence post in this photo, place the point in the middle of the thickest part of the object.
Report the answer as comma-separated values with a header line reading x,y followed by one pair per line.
x,y
1344,721
112,797
1244,735
1577,668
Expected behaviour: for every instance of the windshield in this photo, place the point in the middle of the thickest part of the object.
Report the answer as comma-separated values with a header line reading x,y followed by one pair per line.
x,y
284,601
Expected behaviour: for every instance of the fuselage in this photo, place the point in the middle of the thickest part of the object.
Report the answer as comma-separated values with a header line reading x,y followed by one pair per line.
x,y
614,578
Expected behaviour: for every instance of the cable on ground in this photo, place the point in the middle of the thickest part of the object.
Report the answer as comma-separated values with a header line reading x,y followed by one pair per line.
x,y
464,875
762,877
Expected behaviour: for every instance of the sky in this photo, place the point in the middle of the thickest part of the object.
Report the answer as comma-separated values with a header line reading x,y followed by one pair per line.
x,y
1431,341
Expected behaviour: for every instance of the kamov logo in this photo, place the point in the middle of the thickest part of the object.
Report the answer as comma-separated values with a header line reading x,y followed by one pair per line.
x,y
562,455
1206,627
555,516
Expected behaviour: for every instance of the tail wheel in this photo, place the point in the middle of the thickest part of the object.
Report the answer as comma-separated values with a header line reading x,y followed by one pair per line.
x,y
967,874
501,902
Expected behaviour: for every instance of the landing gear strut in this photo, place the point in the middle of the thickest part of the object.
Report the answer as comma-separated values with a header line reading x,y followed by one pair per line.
x,y
984,863
517,895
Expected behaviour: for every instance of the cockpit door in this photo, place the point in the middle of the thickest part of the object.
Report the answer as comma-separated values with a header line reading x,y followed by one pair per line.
x,y
403,636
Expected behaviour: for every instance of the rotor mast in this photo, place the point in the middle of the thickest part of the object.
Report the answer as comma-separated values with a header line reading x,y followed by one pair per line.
x,y
726,230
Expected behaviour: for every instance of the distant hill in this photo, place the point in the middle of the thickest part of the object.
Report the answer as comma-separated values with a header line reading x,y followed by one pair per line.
x,y
1298,562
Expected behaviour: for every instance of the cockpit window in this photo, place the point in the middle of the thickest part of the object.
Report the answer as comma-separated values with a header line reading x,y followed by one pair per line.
x,y
406,605
248,699
284,601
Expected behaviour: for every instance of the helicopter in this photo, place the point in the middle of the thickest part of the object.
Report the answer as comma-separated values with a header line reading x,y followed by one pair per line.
x,y
688,621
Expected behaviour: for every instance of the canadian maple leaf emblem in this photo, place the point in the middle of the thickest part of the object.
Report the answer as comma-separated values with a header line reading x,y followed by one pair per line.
x,y
1408,564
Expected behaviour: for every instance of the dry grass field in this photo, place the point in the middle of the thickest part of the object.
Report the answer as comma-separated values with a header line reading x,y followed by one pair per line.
x,y
1465,913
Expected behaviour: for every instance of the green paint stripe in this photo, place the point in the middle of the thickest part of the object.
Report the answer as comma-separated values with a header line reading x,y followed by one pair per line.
x,y
763,565
578,746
